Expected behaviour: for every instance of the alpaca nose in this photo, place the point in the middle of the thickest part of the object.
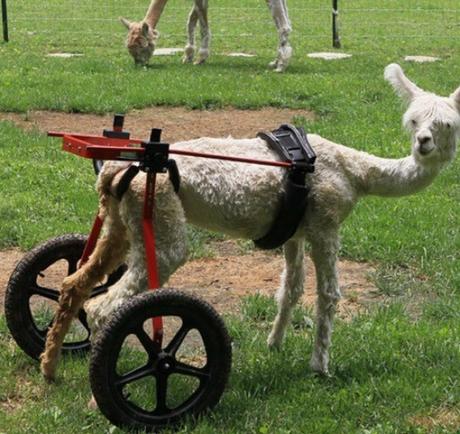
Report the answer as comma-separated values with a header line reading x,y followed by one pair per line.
x,y
423,139
425,144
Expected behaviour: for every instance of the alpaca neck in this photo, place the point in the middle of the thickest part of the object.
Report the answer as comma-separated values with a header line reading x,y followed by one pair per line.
x,y
154,12
398,177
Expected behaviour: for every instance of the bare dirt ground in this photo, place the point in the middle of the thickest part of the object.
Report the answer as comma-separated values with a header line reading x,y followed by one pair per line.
x,y
177,123
229,275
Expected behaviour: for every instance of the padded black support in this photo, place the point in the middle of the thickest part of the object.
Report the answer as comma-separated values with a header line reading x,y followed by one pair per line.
x,y
125,180
133,170
293,205
292,145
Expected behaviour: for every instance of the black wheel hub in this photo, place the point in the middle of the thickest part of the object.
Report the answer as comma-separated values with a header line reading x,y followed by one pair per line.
x,y
165,364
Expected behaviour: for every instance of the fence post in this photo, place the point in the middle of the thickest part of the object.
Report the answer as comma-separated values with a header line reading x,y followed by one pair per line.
x,y
4,21
335,26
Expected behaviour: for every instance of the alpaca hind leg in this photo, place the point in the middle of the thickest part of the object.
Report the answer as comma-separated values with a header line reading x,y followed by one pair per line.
x,y
203,54
292,286
189,50
280,16
324,255
109,253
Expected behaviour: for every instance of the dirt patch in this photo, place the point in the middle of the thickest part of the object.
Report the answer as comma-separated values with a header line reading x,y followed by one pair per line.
x,y
443,418
177,123
225,278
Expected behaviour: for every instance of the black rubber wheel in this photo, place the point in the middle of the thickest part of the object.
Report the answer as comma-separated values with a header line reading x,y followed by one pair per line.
x,y
33,291
141,387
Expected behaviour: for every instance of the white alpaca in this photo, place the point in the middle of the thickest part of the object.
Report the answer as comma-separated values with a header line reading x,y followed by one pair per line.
x,y
242,201
142,36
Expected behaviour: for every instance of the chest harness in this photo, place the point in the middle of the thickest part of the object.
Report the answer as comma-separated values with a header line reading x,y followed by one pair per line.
x,y
291,144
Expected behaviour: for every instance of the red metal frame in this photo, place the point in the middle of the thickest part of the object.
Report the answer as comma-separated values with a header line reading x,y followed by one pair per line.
x,y
92,239
150,250
105,148
112,148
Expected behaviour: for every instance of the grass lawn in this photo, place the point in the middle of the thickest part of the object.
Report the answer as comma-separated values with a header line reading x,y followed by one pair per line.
x,y
394,368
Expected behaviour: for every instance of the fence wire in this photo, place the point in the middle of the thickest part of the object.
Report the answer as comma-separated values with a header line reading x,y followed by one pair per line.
x,y
95,22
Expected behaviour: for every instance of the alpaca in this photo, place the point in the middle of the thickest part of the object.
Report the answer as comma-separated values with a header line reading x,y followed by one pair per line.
x,y
242,200
141,35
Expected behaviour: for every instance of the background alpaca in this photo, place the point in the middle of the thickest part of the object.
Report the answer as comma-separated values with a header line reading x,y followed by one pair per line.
x,y
141,35
242,201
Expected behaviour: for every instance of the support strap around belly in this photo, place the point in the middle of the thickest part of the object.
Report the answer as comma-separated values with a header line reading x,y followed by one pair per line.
x,y
292,145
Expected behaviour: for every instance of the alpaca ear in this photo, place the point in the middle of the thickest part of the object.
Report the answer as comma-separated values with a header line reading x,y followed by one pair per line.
x,y
455,96
125,22
401,84
145,29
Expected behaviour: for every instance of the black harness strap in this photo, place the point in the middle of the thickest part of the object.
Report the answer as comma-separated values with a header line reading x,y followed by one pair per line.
x,y
133,170
125,180
292,145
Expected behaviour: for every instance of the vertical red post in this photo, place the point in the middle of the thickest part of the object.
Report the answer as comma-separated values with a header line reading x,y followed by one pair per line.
x,y
92,239
150,250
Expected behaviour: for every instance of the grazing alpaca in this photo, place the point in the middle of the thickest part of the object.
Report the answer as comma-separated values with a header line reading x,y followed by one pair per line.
x,y
141,35
242,201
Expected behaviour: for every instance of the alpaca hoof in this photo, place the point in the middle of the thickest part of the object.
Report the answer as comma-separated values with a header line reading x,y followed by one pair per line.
x,y
48,367
274,343
48,372
92,404
319,368
202,56
274,64
189,52
280,68
199,61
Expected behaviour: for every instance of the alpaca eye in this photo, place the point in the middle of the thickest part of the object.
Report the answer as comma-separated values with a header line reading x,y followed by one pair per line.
x,y
448,125
414,122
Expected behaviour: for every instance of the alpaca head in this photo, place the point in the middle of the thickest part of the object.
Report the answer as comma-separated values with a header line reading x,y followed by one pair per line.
x,y
433,121
140,41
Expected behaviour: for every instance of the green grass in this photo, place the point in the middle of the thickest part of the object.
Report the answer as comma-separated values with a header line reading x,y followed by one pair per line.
x,y
395,362
387,370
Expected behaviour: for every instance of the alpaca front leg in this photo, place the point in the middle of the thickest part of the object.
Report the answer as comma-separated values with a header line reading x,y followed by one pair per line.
x,y
292,286
280,16
324,255
203,53
189,50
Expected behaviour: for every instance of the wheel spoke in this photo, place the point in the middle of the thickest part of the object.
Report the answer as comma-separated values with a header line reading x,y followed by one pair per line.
x,y
116,275
149,346
83,319
51,294
192,371
98,291
134,375
162,390
73,262
177,340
